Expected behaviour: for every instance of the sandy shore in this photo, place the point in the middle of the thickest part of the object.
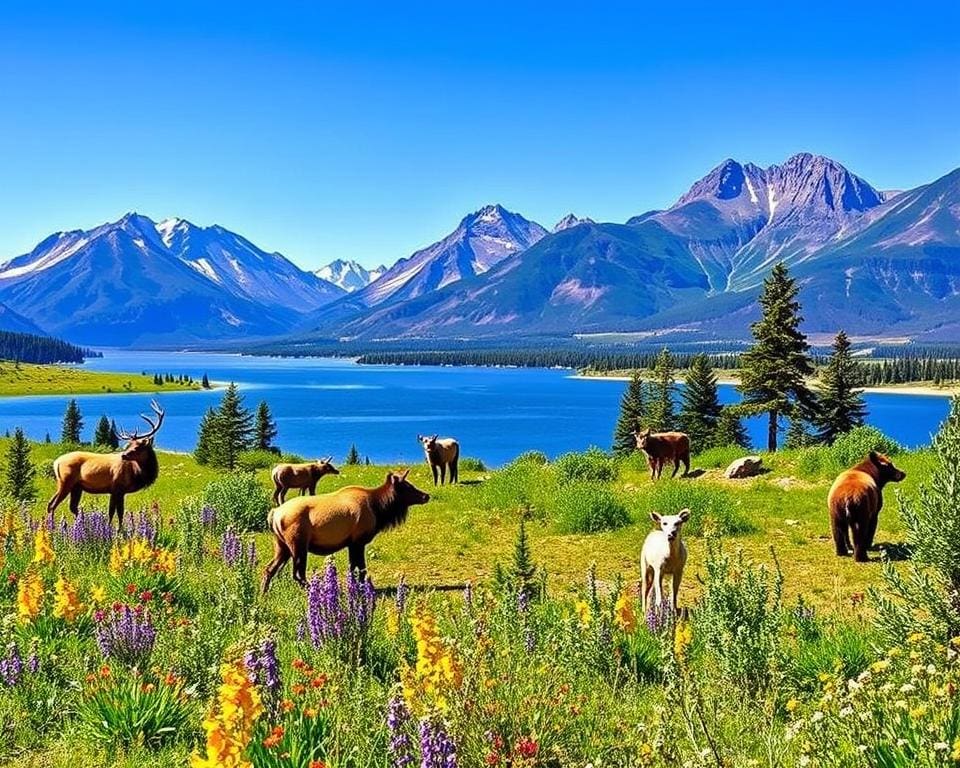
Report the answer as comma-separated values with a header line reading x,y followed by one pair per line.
x,y
927,390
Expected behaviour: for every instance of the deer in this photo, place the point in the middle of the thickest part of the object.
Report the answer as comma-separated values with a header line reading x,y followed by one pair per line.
x,y
302,476
441,453
117,474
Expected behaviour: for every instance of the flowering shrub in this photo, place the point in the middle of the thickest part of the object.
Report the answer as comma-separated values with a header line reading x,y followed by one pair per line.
x,y
125,634
902,711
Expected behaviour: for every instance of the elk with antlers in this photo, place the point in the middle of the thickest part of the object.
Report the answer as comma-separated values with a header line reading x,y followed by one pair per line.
x,y
117,474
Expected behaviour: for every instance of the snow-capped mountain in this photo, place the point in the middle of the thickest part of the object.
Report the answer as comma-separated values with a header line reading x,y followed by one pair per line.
x,y
349,275
570,221
138,281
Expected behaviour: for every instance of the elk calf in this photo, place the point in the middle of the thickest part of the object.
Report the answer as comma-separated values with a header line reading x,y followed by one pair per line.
x,y
662,447
855,501
302,476
117,474
663,553
349,517
441,452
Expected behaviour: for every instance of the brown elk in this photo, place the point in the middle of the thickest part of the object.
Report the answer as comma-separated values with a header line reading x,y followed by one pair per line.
x,y
302,476
349,517
441,452
661,447
132,469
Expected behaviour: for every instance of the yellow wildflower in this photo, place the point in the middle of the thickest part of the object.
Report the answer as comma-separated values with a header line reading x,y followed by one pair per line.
x,y
682,638
584,614
98,594
437,672
135,553
792,705
29,596
66,603
230,722
915,638
624,615
43,547
955,755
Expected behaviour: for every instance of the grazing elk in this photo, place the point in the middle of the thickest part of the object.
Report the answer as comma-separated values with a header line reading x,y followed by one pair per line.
x,y
663,553
302,476
132,469
855,501
349,517
441,452
662,447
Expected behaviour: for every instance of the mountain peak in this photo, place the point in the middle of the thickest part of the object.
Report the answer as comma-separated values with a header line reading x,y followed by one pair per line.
x,y
570,220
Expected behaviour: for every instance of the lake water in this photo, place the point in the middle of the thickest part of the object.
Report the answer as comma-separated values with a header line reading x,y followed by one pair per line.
x,y
322,406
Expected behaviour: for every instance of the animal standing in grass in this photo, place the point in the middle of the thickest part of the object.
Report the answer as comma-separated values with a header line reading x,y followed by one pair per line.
x,y
441,452
131,470
855,501
663,554
347,518
302,476
661,447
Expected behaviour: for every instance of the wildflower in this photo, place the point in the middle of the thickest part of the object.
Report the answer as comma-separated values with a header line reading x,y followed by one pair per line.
x,y
792,705
29,596
231,547
400,746
43,547
624,615
275,737
401,596
682,638
66,603
437,749
955,754
584,614
437,671
11,666
915,638
98,594
230,721
526,747
880,666
125,634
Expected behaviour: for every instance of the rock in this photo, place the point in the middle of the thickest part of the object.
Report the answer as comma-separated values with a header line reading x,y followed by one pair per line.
x,y
748,466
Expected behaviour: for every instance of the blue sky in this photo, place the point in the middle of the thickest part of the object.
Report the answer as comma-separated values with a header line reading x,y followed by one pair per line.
x,y
357,131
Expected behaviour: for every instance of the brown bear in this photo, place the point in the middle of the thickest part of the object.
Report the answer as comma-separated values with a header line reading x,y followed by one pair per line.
x,y
855,501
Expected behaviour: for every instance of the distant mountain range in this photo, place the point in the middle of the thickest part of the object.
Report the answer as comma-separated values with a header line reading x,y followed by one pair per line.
x,y
878,264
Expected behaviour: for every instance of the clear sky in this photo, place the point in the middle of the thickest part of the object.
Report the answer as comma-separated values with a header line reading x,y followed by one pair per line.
x,y
354,130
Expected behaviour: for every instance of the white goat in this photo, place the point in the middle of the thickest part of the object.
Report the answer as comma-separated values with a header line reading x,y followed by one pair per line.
x,y
663,553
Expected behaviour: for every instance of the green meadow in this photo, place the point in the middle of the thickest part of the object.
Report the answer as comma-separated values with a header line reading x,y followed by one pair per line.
x,y
29,379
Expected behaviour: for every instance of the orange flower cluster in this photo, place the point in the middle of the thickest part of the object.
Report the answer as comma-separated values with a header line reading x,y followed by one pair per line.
x,y
230,722
135,553
438,672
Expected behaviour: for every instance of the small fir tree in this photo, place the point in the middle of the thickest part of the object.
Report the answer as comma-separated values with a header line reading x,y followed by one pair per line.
x,y
72,424
660,413
265,429
353,456
20,480
631,418
841,403
700,403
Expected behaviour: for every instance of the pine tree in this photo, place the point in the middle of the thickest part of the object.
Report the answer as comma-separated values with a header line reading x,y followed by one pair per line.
x,y
205,382
208,450
523,571
774,370
20,482
660,414
72,424
699,403
631,418
730,429
114,435
265,429
841,403
234,428
353,457
47,439
103,435
798,435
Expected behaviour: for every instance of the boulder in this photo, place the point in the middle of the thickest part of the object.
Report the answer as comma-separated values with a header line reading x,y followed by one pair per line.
x,y
747,466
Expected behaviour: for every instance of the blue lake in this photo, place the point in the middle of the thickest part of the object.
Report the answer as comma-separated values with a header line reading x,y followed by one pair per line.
x,y
322,406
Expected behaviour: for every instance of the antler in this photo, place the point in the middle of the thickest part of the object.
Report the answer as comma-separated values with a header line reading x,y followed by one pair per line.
x,y
154,426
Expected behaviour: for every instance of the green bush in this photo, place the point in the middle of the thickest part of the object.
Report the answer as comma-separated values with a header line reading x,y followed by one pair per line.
x,y
240,500
591,466
588,507
852,447
251,461
521,483
472,464
531,457
290,458
713,509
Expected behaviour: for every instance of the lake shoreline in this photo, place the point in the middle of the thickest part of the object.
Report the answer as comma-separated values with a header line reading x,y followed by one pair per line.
x,y
928,390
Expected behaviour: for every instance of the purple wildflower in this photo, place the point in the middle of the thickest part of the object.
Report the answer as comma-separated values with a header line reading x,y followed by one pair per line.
x,y
325,613
401,750
437,749
301,630
208,516
11,666
523,600
91,530
658,617
125,634
231,547
529,639
402,592
33,660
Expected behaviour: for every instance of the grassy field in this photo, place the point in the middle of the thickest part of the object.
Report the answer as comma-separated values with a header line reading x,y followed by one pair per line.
x,y
569,677
28,379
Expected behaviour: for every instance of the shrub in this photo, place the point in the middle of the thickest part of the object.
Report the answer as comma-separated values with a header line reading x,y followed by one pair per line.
x,y
588,507
531,457
740,620
591,466
240,500
853,446
251,461
522,483
712,508
472,464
